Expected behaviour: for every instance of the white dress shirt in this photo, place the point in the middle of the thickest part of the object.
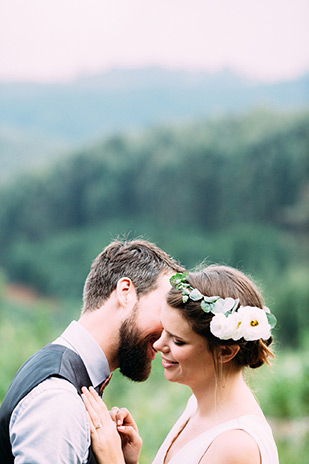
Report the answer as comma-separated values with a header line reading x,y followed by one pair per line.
x,y
50,424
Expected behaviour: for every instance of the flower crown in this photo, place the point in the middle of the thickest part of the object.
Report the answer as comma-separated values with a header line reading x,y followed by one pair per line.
x,y
229,320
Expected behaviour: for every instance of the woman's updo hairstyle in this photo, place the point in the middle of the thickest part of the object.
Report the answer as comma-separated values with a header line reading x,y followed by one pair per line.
x,y
223,281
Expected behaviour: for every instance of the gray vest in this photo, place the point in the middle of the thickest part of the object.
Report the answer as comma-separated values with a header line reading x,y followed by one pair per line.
x,y
51,361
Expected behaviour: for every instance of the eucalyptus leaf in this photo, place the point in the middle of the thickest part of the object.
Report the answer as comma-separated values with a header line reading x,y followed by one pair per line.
x,y
211,299
196,295
176,279
186,290
206,307
235,305
272,320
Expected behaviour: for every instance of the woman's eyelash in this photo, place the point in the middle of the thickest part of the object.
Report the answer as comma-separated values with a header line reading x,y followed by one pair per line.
x,y
179,342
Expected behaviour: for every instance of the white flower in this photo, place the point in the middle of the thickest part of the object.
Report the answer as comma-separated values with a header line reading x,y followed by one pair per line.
x,y
254,323
220,327
223,305
235,323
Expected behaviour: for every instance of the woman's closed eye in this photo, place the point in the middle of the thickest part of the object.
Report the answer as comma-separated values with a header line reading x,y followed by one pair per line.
x,y
178,342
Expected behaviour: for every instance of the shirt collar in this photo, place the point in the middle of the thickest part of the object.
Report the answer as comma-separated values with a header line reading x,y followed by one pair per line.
x,y
79,340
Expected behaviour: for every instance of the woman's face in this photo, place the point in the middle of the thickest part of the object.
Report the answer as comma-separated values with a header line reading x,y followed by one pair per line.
x,y
185,355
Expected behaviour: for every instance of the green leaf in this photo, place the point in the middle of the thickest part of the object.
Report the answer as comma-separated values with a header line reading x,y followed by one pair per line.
x,y
206,307
196,295
178,278
235,305
272,320
211,299
185,290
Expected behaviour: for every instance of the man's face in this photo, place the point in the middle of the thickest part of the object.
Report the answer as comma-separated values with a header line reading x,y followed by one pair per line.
x,y
139,331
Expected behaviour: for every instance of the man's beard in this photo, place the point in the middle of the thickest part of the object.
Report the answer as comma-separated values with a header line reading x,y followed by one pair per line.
x,y
133,351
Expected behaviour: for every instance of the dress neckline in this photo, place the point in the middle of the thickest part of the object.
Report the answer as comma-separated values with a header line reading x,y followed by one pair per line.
x,y
260,419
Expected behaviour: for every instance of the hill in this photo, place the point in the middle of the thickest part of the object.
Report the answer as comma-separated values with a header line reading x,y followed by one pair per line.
x,y
232,189
125,99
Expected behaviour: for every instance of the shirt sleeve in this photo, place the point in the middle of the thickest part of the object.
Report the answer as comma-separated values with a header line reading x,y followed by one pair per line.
x,y
50,425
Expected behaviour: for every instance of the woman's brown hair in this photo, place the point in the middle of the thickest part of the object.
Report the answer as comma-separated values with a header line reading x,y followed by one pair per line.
x,y
223,281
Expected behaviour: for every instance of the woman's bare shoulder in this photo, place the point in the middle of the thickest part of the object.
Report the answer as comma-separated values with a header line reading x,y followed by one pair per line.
x,y
232,447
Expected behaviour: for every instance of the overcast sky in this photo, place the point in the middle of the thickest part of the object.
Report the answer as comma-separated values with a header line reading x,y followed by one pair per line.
x,y
46,40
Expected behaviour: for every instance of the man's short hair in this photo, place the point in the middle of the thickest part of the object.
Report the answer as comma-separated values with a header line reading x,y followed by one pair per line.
x,y
139,260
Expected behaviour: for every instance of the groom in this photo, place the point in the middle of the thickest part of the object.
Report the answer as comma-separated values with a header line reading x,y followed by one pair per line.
x,y
42,417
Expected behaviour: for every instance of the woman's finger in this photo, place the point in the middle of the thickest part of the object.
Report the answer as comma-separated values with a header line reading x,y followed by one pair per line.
x,y
94,398
113,413
95,401
97,410
130,433
105,438
123,417
95,418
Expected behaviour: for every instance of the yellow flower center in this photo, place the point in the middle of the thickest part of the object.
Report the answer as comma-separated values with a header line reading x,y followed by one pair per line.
x,y
254,323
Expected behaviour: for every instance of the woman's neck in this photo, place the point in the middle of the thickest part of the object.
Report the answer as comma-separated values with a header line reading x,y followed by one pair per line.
x,y
226,398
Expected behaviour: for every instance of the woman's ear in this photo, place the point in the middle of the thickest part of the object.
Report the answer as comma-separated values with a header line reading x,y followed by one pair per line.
x,y
126,293
227,353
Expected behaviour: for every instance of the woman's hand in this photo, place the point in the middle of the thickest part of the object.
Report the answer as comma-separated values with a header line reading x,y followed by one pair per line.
x,y
105,439
130,439
108,446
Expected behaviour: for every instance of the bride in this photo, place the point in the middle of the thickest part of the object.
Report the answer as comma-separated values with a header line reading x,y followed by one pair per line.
x,y
214,324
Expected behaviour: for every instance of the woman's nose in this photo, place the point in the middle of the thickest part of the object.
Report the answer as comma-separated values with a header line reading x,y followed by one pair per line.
x,y
159,345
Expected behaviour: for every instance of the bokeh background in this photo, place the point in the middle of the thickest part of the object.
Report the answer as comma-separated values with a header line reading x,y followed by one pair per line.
x,y
184,122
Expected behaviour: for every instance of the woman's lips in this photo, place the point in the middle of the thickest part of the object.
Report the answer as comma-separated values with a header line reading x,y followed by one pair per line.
x,y
166,363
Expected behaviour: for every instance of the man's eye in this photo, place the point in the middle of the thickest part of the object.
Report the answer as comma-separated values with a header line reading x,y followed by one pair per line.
x,y
179,342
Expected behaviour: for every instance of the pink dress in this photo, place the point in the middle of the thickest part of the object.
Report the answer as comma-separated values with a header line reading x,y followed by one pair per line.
x,y
257,427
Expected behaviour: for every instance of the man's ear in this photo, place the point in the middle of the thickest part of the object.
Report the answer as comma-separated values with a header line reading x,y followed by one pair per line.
x,y
227,353
125,291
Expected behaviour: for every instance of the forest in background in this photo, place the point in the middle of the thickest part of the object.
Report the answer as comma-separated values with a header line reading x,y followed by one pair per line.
x,y
231,189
